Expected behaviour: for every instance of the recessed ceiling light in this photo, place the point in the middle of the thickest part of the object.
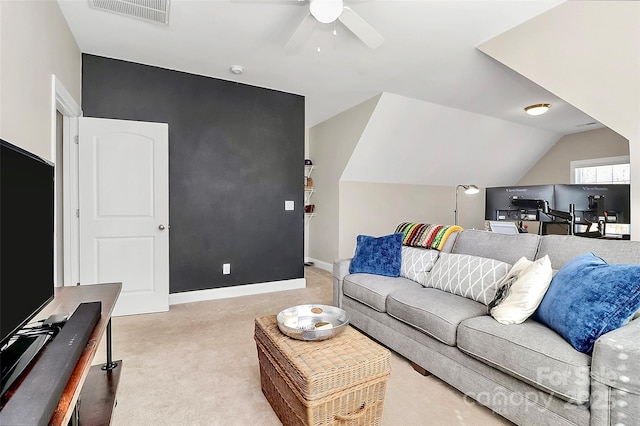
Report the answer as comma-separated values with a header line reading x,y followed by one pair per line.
x,y
236,69
537,109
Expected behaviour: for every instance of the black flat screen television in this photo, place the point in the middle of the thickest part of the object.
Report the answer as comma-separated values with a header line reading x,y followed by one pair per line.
x,y
26,237
593,200
499,202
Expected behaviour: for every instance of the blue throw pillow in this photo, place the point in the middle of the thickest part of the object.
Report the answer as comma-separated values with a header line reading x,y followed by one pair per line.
x,y
380,256
589,297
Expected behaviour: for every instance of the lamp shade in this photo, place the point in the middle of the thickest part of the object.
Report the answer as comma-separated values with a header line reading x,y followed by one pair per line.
x,y
470,189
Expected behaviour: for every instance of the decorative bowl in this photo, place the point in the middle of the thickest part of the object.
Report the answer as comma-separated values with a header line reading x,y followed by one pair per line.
x,y
312,322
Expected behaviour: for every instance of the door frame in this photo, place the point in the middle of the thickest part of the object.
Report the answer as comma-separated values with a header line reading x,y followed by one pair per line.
x,y
63,102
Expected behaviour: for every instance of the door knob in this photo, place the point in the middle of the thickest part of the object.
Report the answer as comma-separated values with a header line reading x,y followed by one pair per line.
x,y
161,227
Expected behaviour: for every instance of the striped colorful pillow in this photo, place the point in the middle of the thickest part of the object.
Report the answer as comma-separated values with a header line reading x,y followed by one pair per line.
x,y
425,235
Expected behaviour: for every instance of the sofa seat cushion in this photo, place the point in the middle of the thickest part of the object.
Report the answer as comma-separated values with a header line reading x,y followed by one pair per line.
x,y
435,312
530,352
372,290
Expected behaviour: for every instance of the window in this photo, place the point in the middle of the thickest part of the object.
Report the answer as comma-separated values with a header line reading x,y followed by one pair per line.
x,y
609,170
601,170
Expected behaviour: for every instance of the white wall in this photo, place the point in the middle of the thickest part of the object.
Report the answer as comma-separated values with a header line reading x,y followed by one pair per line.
x,y
331,144
377,208
587,53
555,166
393,159
416,142
35,42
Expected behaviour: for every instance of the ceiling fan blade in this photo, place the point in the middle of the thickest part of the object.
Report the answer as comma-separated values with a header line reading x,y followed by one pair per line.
x,y
360,28
301,35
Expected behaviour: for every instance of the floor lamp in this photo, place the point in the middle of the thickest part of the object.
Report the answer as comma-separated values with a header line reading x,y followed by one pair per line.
x,y
468,189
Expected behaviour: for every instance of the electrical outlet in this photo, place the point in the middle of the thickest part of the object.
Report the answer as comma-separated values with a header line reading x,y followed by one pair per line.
x,y
226,268
288,205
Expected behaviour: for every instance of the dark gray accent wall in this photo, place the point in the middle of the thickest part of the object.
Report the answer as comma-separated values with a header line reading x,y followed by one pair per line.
x,y
236,153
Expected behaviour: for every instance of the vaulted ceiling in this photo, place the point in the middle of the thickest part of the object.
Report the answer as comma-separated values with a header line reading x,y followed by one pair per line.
x,y
429,53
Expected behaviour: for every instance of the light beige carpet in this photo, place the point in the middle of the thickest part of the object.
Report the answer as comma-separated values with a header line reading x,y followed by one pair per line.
x,y
197,365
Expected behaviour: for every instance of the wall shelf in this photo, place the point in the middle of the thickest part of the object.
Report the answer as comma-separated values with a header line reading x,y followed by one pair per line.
x,y
307,195
308,170
308,189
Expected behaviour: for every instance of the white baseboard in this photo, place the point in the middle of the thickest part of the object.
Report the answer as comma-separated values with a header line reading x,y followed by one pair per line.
x,y
236,290
320,264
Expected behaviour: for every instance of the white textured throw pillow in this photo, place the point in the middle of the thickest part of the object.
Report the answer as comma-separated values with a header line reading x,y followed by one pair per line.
x,y
525,286
473,277
417,262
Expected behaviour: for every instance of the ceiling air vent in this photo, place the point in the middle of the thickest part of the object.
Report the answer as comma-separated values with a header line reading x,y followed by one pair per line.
x,y
156,11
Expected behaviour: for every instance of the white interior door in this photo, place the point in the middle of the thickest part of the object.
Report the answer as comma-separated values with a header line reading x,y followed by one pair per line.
x,y
124,210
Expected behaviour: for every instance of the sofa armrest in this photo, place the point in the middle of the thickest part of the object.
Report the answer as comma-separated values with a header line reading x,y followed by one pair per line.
x,y
340,270
615,376
616,358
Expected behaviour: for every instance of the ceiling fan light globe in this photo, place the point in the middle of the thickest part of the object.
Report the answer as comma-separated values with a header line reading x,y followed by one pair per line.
x,y
326,11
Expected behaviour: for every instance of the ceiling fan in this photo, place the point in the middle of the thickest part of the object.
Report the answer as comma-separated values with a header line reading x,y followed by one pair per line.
x,y
332,11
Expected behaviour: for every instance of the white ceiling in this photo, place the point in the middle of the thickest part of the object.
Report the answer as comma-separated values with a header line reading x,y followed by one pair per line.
x,y
429,53
407,141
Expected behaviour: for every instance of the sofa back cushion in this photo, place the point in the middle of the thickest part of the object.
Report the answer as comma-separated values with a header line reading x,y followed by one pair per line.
x,y
473,277
502,247
563,248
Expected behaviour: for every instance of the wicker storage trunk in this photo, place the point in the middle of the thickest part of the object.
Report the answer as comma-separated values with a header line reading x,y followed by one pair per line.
x,y
340,381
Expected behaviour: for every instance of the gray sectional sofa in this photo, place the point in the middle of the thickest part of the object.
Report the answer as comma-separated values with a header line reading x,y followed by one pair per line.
x,y
527,373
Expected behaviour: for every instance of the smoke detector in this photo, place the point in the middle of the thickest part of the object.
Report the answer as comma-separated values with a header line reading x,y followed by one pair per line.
x,y
236,69
155,11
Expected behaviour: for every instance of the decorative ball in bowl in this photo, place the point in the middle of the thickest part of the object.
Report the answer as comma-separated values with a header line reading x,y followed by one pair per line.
x,y
312,322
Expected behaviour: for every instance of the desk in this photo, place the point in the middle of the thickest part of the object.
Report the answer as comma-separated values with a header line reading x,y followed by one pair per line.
x,y
84,378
